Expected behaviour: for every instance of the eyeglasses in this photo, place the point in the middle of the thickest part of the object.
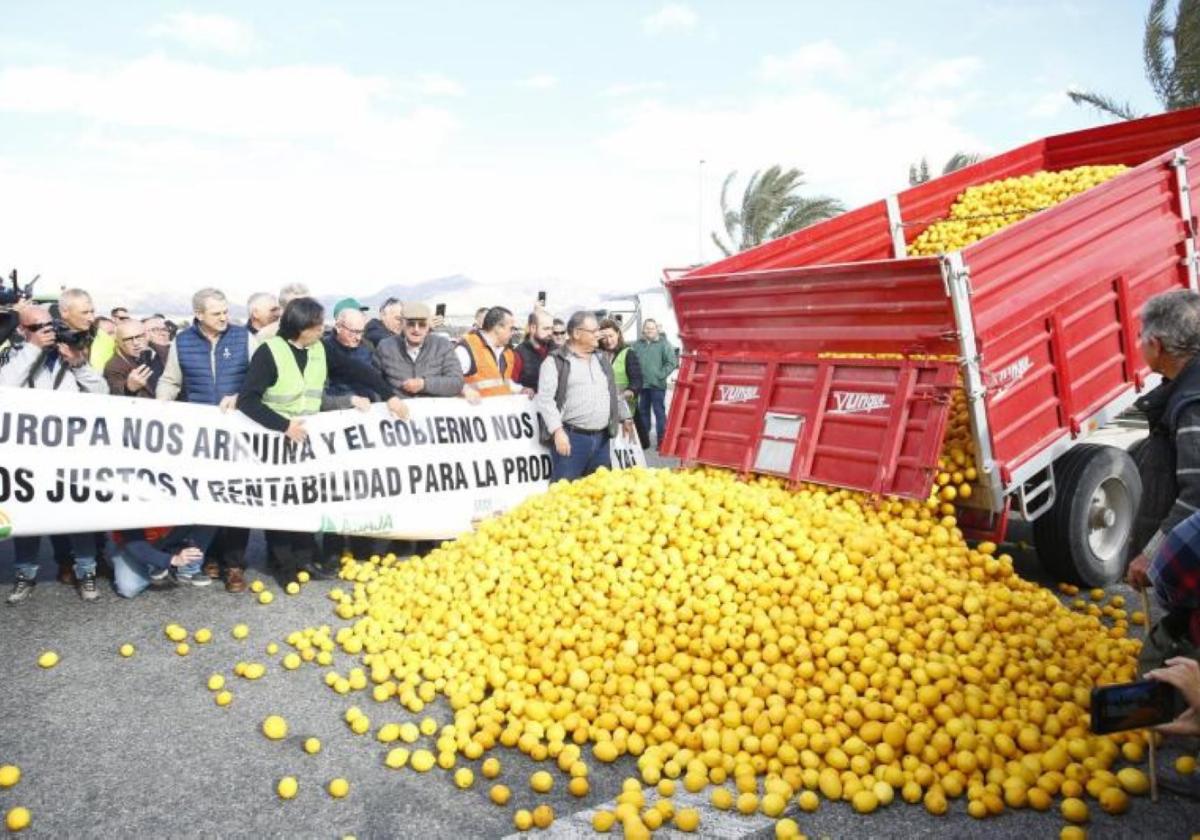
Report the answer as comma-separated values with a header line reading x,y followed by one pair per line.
x,y
134,337
560,332
350,330
39,326
586,330
416,322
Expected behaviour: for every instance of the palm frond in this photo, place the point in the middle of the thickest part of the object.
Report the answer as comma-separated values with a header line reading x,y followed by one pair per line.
x,y
1185,42
1103,103
960,160
1160,71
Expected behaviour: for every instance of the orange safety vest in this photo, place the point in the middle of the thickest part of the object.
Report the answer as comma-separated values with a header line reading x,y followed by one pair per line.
x,y
487,378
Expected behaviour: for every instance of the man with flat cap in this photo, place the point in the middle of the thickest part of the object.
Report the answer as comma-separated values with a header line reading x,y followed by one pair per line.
x,y
418,363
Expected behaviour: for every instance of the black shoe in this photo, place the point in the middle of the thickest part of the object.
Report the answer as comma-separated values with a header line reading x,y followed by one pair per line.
x,y
161,579
22,591
316,571
88,590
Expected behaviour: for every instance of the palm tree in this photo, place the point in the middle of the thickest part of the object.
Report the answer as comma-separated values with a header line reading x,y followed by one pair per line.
x,y
770,208
918,173
1171,53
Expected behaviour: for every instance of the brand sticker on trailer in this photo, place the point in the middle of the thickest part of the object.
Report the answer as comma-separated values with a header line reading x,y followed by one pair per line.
x,y
1009,376
858,402
731,394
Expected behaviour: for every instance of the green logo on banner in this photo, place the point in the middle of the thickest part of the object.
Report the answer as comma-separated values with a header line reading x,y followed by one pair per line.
x,y
5,526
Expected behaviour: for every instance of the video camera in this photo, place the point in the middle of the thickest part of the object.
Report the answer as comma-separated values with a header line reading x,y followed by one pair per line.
x,y
13,296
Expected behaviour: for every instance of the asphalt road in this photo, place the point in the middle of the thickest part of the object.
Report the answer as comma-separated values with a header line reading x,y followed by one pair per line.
x,y
113,747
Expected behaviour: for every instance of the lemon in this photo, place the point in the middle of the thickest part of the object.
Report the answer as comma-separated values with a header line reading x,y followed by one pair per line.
x,y
1133,780
578,786
216,682
523,820
287,787
203,636
17,819
603,821
1074,810
396,758
48,659
1113,800
428,726
1185,765
490,768
543,816
275,727
292,588
808,801
409,733
772,804
722,799
240,631
265,597
291,661
272,648
541,782
254,671
312,746
223,698
422,761
127,650
787,829
303,577
500,794
1072,832
687,819
175,632
182,649
10,774
257,586
338,788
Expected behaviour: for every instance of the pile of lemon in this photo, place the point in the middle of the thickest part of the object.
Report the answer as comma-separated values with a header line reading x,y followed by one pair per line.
x,y
986,208
723,630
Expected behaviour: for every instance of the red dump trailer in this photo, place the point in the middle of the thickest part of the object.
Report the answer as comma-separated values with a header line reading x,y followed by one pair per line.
x,y
1038,321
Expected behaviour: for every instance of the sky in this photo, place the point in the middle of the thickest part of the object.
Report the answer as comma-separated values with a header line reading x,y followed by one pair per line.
x,y
151,147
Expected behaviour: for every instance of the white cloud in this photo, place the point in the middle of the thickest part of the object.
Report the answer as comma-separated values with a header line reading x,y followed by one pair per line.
x,y
435,84
633,89
673,17
279,103
806,64
947,74
540,81
206,32
1050,104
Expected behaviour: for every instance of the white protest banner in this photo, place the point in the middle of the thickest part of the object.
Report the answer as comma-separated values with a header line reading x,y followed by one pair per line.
x,y
81,462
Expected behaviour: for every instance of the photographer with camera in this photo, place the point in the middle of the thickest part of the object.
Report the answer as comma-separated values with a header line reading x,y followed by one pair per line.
x,y
52,357
136,367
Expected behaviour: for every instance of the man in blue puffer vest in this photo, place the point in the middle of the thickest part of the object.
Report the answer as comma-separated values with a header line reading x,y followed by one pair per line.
x,y
207,365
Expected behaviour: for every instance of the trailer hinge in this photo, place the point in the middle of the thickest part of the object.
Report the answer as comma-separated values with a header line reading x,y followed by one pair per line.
x,y
1183,189
956,273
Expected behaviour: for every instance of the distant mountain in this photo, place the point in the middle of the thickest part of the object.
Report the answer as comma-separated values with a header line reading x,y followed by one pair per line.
x,y
442,290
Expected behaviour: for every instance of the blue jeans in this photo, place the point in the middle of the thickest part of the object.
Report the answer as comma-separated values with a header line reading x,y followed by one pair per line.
x,y
588,454
652,405
131,576
26,549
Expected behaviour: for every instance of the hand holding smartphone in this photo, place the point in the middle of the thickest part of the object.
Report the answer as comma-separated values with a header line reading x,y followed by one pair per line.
x,y
1135,705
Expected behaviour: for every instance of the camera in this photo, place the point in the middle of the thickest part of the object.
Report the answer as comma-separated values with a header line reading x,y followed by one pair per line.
x,y
64,334
13,296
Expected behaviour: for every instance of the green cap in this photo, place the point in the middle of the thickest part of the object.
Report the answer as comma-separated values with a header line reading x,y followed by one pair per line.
x,y
347,303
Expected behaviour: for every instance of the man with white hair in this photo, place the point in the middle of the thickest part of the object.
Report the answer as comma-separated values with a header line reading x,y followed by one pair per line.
x,y
286,295
207,365
261,310
390,322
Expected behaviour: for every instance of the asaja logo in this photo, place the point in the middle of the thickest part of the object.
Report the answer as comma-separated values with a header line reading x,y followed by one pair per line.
x,y
5,525
1012,374
857,402
737,394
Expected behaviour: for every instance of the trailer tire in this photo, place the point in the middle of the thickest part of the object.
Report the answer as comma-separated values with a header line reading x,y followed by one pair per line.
x,y
1084,537
1156,466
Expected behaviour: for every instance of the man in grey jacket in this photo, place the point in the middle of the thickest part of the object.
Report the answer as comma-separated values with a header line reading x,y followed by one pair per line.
x,y
46,364
418,363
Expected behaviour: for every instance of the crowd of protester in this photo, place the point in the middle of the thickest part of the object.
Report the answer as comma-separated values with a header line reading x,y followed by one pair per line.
x,y
283,364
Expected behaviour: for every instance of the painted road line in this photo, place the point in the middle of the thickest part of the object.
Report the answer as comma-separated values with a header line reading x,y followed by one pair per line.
x,y
715,823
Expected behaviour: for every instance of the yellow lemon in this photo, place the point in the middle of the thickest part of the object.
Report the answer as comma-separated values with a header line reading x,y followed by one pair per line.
x,y
338,788
275,727
312,746
127,650
17,819
287,787
10,774
48,659
500,794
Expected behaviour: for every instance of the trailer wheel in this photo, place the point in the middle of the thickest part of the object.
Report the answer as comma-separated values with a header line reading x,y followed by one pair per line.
x,y
1159,490
1085,536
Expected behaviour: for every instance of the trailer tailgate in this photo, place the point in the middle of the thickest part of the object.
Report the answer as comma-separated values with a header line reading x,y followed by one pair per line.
x,y
867,424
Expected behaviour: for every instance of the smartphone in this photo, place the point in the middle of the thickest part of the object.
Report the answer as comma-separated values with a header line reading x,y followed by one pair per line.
x,y
541,298
618,317
440,310
1135,705
145,357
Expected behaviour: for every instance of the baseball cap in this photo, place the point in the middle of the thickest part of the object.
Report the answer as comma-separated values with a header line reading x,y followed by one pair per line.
x,y
417,311
347,303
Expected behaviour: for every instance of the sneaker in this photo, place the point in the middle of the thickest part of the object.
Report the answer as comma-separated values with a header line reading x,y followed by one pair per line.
x,y
194,579
235,579
87,588
317,572
22,591
161,579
